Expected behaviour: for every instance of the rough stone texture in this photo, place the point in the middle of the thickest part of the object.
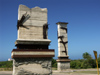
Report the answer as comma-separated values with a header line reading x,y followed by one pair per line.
x,y
63,66
34,25
32,66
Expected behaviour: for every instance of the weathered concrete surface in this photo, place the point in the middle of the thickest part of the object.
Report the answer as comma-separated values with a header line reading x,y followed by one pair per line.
x,y
32,66
32,53
63,62
62,32
33,27
33,41
38,16
63,65
32,34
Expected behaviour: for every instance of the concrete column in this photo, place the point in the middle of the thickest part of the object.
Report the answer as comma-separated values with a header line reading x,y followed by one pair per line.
x,y
63,58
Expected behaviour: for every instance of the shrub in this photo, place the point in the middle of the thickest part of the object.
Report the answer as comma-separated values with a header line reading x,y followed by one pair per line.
x,y
54,63
6,64
75,64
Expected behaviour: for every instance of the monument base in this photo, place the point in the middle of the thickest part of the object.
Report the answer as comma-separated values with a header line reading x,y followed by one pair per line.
x,y
63,63
32,62
32,66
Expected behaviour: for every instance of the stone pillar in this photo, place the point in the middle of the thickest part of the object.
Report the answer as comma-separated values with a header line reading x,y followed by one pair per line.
x,y
32,56
63,61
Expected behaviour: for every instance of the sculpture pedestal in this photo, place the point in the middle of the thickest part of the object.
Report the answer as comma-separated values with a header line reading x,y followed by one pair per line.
x,y
32,56
32,62
63,63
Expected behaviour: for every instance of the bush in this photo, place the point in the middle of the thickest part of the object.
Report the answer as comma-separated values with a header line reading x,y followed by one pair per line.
x,y
6,64
99,62
54,63
75,64
87,62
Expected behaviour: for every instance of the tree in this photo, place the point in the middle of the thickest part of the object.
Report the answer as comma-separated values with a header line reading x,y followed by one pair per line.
x,y
88,61
86,56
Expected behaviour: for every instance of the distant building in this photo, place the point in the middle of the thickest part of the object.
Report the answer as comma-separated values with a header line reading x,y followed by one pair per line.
x,y
10,59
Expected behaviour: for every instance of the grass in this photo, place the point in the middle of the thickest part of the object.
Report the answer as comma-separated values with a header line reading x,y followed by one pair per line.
x,y
53,68
87,72
6,69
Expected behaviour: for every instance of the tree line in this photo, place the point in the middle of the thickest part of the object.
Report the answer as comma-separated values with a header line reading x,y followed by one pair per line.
x,y
6,64
86,62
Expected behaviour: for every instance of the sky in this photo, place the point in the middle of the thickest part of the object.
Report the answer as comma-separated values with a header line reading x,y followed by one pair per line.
x,y
83,17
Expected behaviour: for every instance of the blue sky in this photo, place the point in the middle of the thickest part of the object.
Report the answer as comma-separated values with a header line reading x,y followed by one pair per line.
x,y
83,17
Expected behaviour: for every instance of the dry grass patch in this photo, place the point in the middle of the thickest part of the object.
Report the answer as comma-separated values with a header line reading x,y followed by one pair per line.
x,y
6,69
87,72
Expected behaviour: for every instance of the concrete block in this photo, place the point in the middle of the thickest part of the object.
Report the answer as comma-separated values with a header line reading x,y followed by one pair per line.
x,y
32,66
63,66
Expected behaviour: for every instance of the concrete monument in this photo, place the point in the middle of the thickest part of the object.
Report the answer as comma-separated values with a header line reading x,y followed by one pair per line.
x,y
63,61
32,56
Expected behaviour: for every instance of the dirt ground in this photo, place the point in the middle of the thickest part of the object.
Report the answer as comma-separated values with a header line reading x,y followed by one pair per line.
x,y
10,73
69,72
78,72
72,74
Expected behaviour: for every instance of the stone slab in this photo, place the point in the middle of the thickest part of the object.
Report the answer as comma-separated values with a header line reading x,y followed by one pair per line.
x,y
19,53
33,41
